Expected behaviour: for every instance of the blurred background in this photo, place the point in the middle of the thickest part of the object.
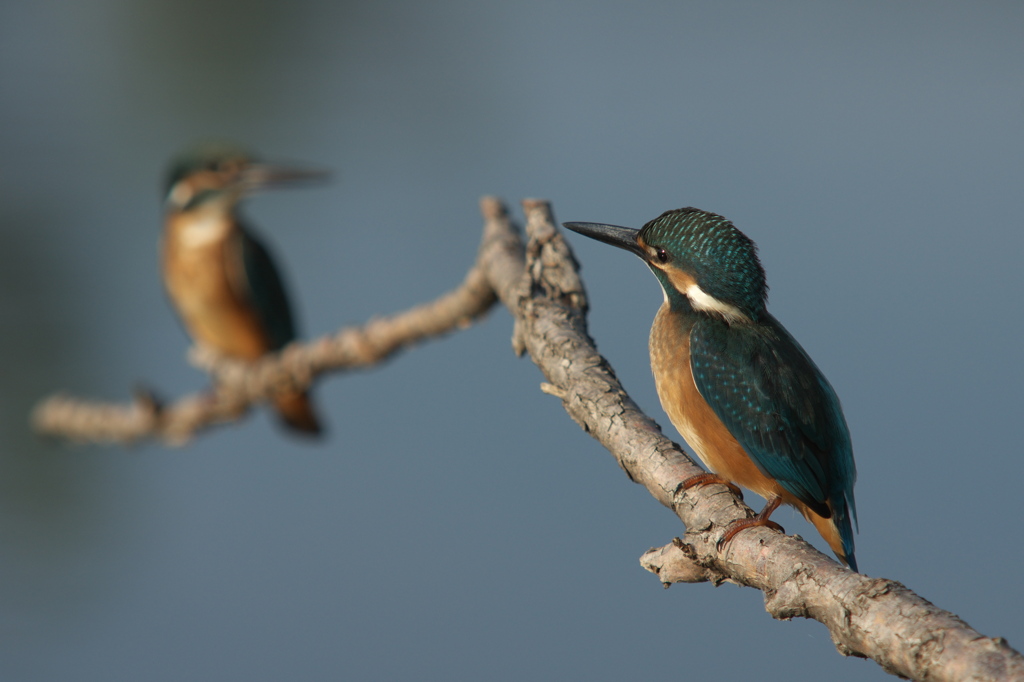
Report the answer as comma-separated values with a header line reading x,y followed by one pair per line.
x,y
456,524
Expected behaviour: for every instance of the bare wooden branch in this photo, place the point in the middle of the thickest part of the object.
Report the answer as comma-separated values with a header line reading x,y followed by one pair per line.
x,y
874,618
238,385
539,283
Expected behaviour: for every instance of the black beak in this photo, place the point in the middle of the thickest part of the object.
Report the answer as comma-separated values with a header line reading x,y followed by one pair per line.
x,y
258,176
622,237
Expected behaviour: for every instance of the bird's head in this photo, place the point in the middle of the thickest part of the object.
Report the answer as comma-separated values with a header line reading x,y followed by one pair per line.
x,y
700,258
221,175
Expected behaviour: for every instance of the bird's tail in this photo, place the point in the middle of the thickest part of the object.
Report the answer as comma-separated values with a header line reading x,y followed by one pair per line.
x,y
296,411
837,531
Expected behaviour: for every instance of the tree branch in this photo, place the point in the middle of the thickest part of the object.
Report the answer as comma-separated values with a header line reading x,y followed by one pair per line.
x,y
874,618
237,386
539,283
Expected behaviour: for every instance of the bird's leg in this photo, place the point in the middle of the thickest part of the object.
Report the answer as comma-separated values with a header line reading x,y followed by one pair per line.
x,y
759,520
708,479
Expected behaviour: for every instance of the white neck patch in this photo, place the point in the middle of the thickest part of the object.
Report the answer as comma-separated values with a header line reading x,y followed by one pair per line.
x,y
180,195
702,300
203,230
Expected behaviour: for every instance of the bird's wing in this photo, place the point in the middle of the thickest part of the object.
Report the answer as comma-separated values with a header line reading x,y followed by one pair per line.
x,y
778,405
266,292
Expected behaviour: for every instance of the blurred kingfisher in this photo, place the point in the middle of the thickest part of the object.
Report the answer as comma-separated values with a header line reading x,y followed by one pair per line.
x,y
737,386
220,277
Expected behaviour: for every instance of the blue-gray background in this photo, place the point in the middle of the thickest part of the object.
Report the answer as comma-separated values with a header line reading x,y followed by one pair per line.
x,y
456,524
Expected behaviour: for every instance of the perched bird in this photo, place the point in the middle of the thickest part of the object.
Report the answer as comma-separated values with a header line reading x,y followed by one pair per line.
x,y
220,278
737,386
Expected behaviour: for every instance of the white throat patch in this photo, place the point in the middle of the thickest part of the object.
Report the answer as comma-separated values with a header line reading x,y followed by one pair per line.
x,y
203,230
701,300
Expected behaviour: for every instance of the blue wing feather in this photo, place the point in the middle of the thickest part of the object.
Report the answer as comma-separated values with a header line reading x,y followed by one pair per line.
x,y
266,292
779,406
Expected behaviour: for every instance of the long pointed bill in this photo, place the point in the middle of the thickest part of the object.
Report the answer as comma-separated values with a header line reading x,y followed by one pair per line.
x,y
266,176
622,237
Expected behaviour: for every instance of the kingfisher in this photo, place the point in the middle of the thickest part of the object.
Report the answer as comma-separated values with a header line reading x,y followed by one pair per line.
x,y
220,277
738,387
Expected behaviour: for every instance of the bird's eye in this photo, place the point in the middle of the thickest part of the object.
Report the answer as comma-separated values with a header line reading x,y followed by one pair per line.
x,y
661,255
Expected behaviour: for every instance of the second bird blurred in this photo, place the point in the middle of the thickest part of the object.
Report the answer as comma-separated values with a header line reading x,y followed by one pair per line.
x,y
220,277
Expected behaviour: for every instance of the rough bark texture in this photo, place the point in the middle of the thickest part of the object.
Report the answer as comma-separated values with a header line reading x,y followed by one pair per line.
x,y
539,283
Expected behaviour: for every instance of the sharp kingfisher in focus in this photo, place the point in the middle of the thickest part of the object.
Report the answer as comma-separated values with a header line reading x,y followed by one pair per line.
x,y
220,278
737,386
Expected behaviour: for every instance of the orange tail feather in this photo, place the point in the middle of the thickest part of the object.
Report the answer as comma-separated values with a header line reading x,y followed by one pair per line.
x,y
296,411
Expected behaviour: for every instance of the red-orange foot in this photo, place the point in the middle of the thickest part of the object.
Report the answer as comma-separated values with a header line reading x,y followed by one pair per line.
x,y
708,479
759,520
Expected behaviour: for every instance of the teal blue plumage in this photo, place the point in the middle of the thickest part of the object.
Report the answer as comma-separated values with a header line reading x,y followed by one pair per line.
x,y
722,259
755,376
267,292
762,412
776,402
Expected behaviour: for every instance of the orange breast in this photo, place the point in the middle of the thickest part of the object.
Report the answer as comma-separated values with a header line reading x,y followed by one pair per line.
x,y
691,414
701,427
202,279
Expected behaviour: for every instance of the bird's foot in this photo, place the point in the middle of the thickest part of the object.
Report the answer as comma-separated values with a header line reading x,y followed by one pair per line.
x,y
708,479
759,520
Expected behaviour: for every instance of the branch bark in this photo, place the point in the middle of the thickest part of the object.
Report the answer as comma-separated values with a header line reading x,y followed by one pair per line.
x,y
237,386
539,283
